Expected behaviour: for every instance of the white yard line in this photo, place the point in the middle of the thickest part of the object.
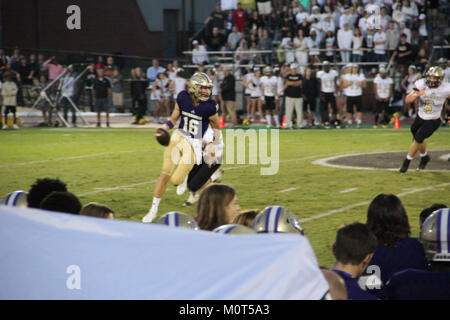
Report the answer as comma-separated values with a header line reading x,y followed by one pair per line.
x,y
7,165
129,186
287,190
364,203
348,190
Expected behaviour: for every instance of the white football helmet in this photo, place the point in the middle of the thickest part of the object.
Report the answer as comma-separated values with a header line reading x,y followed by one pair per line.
x,y
435,235
178,219
197,83
233,229
276,219
16,199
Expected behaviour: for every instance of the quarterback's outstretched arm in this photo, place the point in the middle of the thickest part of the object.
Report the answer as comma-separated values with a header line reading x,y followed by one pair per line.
x,y
173,118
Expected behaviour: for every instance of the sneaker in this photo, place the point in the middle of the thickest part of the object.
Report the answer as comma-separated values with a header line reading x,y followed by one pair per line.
x,y
150,216
5,126
216,177
193,198
375,126
405,165
423,162
181,189
384,126
15,126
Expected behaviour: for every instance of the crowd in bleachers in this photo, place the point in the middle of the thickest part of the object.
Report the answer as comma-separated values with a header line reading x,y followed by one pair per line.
x,y
378,259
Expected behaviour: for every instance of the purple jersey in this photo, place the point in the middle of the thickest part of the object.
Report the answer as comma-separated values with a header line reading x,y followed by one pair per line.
x,y
354,291
195,119
412,284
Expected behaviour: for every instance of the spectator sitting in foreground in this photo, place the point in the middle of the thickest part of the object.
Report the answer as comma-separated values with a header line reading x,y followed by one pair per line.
x,y
65,202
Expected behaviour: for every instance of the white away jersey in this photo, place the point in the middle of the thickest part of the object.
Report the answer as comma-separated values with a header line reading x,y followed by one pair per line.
x,y
383,86
432,101
270,86
327,80
353,90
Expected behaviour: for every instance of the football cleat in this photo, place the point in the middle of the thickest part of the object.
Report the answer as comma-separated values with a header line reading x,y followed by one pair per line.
x,y
423,162
193,198
150,216
178,219
16,199
276,219
216,177
233,229
405,165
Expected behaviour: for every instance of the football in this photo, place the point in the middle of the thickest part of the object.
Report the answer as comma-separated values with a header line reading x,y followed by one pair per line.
x,y
162,136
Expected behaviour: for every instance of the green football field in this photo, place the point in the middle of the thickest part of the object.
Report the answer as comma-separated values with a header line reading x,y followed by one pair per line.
x,y
119,167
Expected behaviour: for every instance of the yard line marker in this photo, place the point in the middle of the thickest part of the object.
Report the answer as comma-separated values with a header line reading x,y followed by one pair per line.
x,y
348,190
64,158
364,203
116,188
287,190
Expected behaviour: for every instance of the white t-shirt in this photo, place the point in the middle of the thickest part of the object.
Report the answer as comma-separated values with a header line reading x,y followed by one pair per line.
x,y
248,76
432,101
280,86
354,89
383,86
270,86
255,87
327,80
179,84
380,48
301,16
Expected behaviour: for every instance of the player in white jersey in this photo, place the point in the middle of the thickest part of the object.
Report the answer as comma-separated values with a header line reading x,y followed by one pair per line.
x,y
269,84
382,88
431,93
328,88
353,85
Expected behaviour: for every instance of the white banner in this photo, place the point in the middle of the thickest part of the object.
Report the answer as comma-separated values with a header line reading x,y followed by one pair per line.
x,y
46,255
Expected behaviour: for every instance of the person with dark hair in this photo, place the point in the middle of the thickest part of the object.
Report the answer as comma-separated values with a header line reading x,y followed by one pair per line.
x,y
65,202
396,250
413,284
41,188
94,209
245,217
217,206
354,248
428,211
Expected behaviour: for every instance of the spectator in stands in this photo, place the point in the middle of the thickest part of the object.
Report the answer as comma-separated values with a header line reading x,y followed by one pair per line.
x,y
405,30
117,90
313,46
392,38
287,44
218,205
94,209
89,82
9,100
410,11
301,50
138,85
34,65
428,211
344,41
101,93
310,92
41,61
60,201
379,41
274,26
241,55
109,68
41,188
54,68
413,284
43,104
354,248
234,37
421,60
396,251
424,28
229,95
25,75
403,53
199,53
216,40
67,92
301,15
369,45
216,19
245,218
229,23
264,7
239,17
99,64
357,43
15,58
265,43
152,72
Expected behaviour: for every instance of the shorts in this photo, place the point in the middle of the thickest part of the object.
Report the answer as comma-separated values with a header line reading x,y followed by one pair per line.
x,y
199,175
329,97
422,129
101,104
11,109
270,103
117,98
357,100
255,98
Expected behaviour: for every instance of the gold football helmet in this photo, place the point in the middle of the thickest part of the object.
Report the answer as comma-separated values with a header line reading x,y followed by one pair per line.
x,y
233,229
178,219
16,199
434,77
276,219
200,86
435,235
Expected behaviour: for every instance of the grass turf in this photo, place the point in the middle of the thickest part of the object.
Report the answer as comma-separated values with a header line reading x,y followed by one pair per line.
x,y
119,167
